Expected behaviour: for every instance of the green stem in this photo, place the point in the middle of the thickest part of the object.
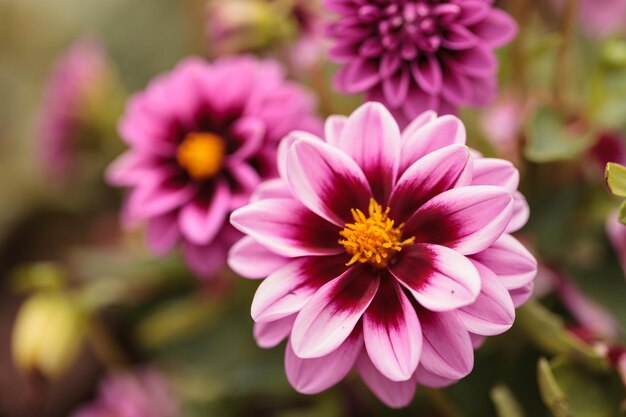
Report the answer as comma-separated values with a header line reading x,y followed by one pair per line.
x,y
104,346
442,404
561,73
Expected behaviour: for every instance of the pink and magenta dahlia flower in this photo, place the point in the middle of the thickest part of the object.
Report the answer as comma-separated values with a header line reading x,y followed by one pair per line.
x,y
417,55
76,77
201,138
139,394
386,251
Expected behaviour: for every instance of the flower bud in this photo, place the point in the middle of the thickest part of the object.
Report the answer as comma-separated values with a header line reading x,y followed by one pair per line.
x,y
245,25
47,334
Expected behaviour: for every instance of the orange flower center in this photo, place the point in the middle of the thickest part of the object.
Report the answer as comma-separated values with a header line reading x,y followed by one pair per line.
x,y
201,154
374,238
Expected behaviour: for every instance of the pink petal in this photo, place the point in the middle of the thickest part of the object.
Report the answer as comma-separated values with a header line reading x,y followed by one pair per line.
x,y
493,171
372,138
312,376
457,87
467,219
276,188
396,88
287,227
442,132
200,220
288,289
447,350
427,73
514,265
523,294
252,130
329,317
473,11
129,168
493,312
439,278
428,379
204,260
393,394
497,29
250,259
392,332
270,334
333,128
157,199
438,171
458,37
419,122
357,76
327,181
521,213
478,61
162,234
285,145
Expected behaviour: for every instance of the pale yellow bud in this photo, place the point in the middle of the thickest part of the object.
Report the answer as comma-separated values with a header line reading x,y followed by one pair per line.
x,y
246,25
47,334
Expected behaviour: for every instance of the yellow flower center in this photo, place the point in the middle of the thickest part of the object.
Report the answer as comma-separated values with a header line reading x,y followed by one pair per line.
x,y
373,239
201,154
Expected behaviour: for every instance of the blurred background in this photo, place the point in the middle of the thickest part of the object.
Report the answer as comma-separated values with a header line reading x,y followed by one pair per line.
x,y
81,299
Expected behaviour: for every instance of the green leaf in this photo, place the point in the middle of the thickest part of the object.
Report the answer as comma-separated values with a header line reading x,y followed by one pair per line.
x,y
548,332
615,175
549,140
505,402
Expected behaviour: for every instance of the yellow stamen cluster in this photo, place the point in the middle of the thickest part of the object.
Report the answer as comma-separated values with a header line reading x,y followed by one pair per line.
x,y
201,154
373,239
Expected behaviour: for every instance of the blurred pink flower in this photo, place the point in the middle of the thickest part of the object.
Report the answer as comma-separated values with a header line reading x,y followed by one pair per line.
x,y
201,138
140,394
342,233
616,232
78,73
501,124
600,18
419,55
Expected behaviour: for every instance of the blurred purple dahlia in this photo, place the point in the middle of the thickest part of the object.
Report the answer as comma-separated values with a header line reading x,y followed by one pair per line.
x,y
201,138
416,55
77,75
140,394
384,250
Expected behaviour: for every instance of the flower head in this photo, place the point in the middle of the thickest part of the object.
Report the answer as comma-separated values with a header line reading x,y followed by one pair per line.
x,y
201,138
387,251
416,55
237,26
77,76
142,393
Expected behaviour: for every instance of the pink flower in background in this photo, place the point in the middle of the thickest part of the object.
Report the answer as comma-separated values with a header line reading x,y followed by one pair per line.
x,y
385,251
419,55
502,123
201,138
600,18
78,74
141,394
616,232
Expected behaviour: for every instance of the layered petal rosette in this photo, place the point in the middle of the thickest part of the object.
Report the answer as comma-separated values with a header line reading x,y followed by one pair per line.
x,y
387,252
416,55
201,138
